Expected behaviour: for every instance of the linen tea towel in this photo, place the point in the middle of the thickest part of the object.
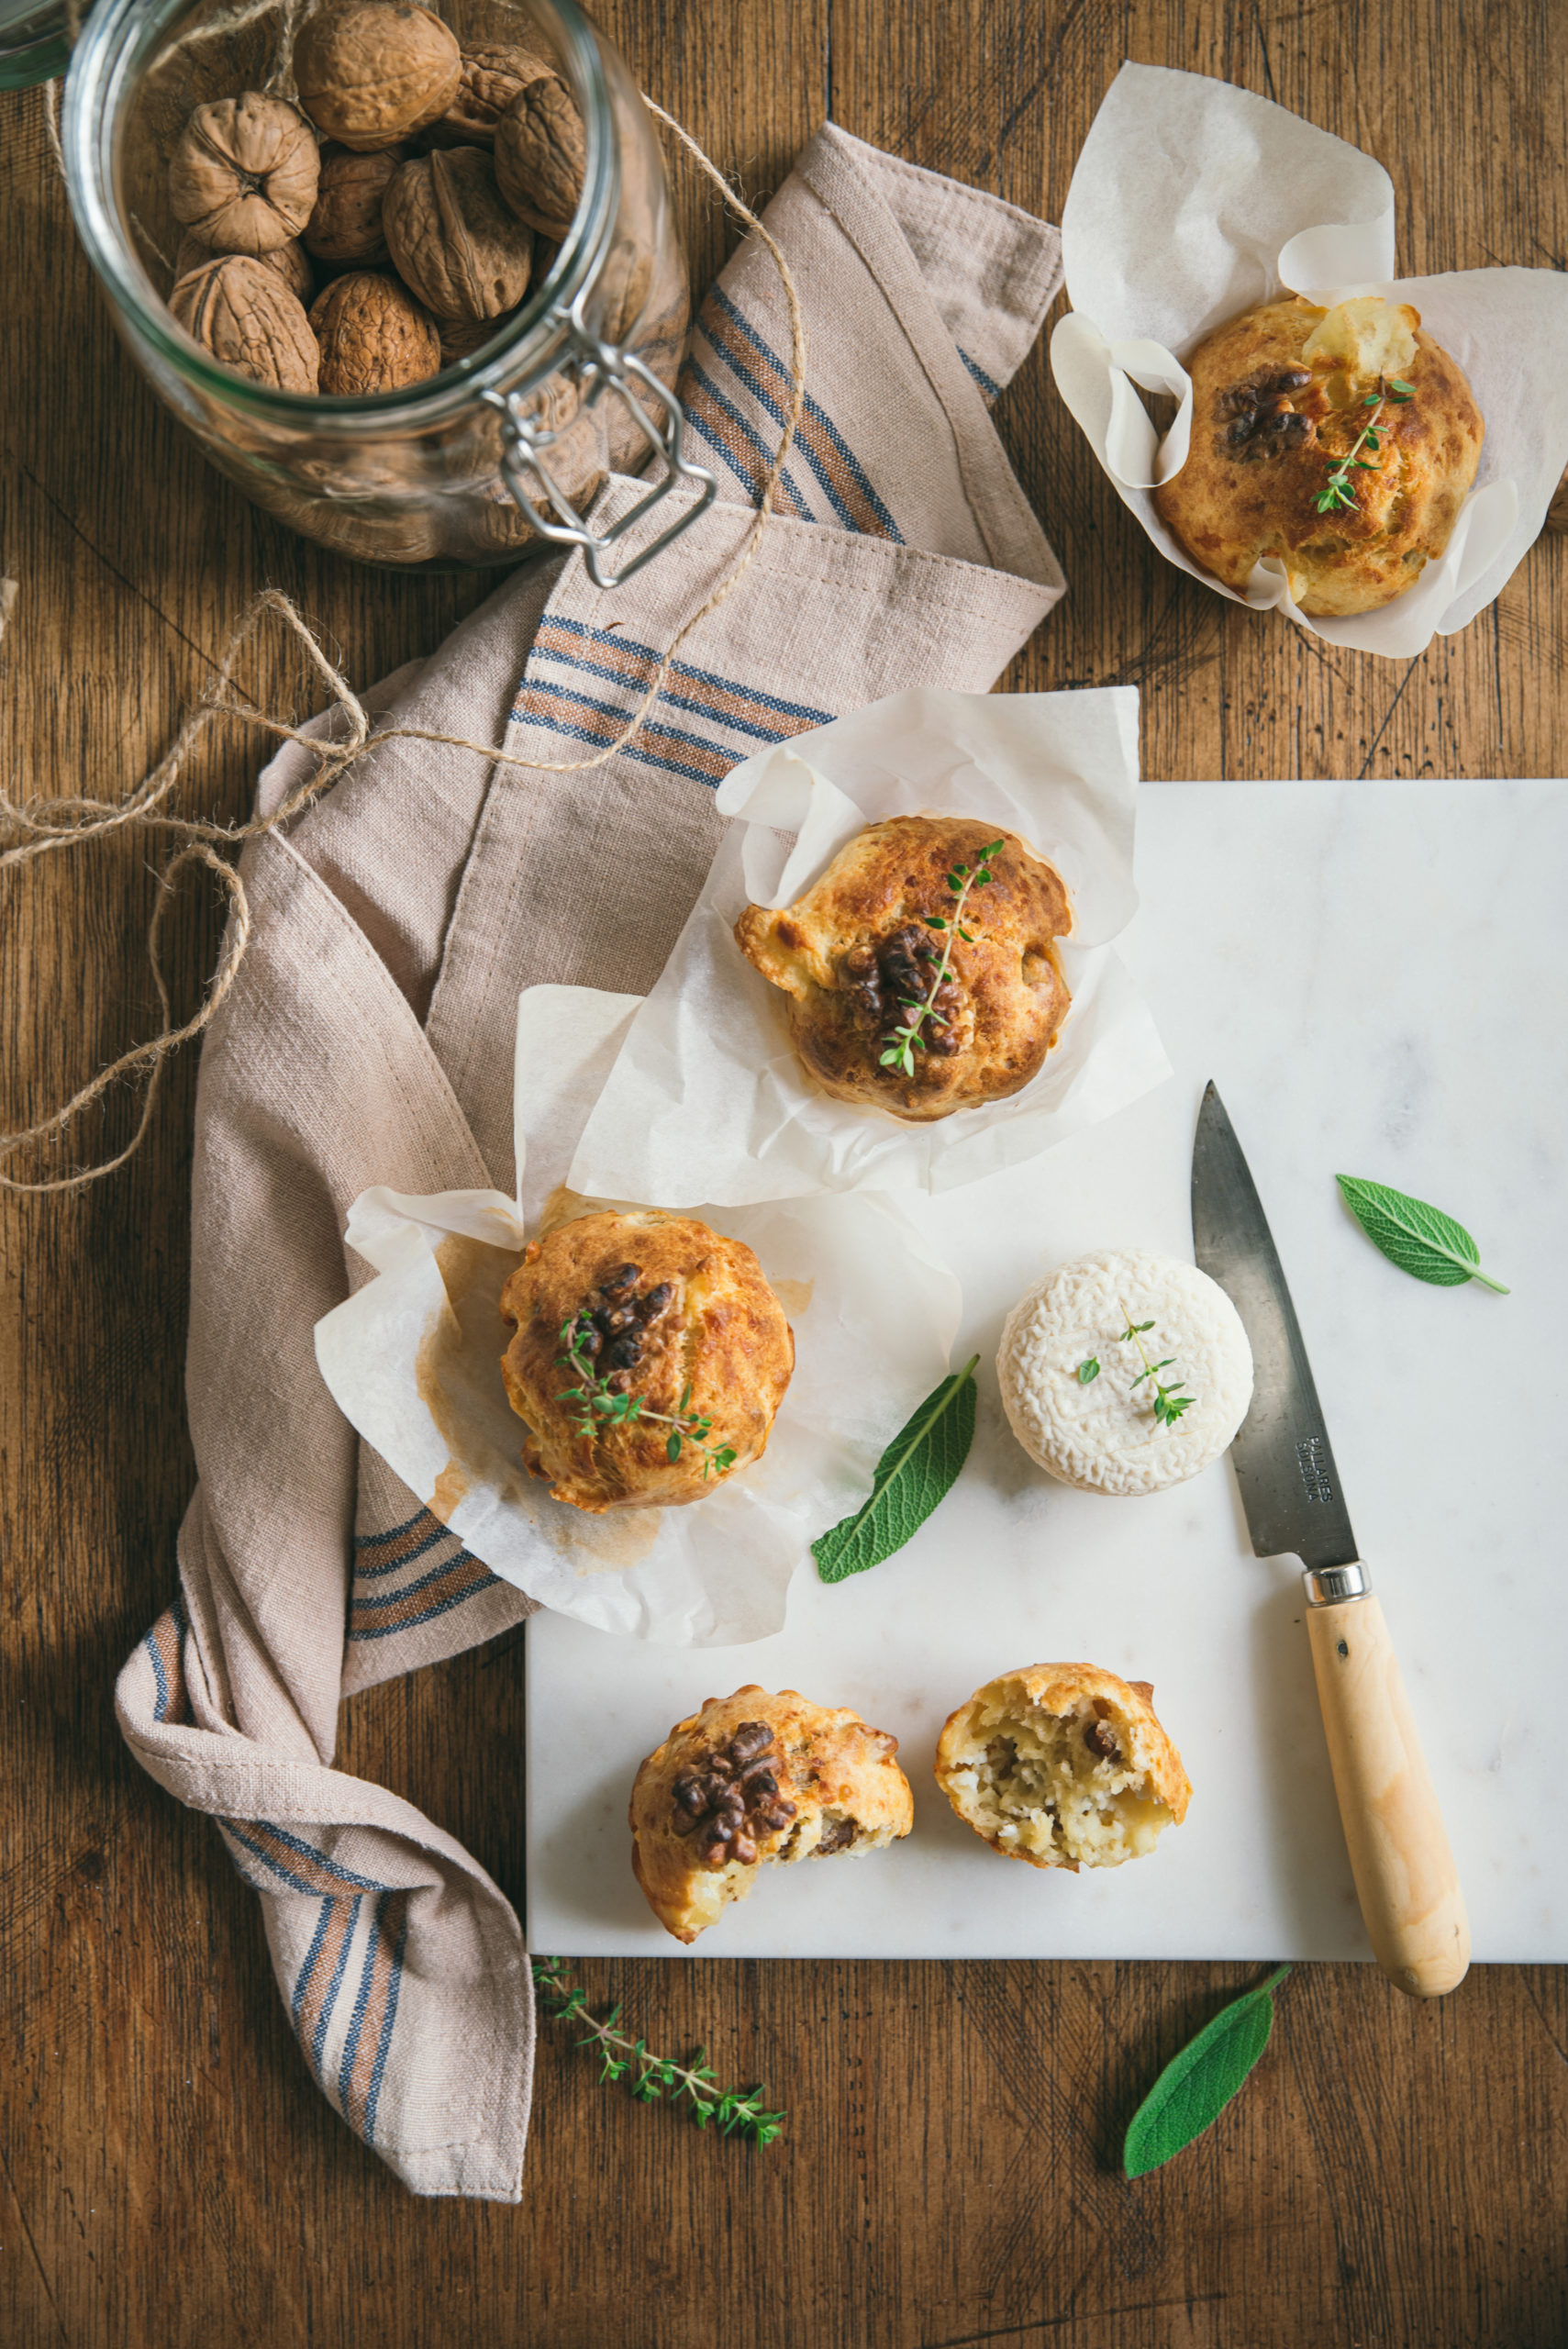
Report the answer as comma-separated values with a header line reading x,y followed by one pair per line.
x,y
368,1039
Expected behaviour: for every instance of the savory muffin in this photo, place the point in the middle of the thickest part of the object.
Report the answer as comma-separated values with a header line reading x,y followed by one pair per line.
x,y
874,1016
1344,442
753,1778
1064,1765
649,1359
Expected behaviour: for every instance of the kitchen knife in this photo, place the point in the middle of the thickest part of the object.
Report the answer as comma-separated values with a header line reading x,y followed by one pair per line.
x,y
1405,1875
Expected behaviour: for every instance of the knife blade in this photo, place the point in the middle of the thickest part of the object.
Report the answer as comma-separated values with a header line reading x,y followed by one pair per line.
x,y
1283,1459
1405,1876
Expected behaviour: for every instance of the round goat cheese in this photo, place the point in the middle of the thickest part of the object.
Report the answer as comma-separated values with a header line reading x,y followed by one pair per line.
x,y
1099,1429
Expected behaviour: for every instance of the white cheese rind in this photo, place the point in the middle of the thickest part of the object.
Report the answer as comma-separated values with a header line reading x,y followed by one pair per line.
x,y
1103,1437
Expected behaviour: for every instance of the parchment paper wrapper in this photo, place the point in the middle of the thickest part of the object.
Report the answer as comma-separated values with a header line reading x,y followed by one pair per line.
x,y
414,1360
708,1095
1193,201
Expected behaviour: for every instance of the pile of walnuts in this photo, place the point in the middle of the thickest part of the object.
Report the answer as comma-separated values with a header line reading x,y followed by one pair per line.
x,y
427,184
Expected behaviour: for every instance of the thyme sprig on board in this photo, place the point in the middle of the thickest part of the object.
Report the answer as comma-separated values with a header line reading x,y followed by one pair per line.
x,y
903,1044
1339,490
600,1407
654,2079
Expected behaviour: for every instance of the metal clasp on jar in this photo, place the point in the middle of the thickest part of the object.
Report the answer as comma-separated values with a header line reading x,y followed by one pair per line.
x,y
600,368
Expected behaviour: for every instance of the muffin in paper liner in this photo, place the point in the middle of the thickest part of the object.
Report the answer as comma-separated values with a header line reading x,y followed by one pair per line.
x,y
414,1360
708,1095
1193,202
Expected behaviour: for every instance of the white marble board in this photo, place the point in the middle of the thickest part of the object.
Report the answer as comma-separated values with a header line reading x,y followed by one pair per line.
x,y
1372,973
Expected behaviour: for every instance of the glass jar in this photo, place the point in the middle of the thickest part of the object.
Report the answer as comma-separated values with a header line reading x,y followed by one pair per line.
x,y
35,42
502,449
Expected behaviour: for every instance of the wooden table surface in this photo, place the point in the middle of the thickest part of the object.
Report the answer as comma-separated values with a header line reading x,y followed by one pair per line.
x,y
948,2176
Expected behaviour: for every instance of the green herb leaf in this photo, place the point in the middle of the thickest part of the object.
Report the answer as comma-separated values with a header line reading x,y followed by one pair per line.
x,y
1196,2087
649,2077
914,1473
1088,1370
1419,1239
1406,391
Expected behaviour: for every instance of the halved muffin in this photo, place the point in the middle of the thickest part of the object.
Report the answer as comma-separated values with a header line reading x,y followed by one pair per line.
x,y
1064,1765
754,1778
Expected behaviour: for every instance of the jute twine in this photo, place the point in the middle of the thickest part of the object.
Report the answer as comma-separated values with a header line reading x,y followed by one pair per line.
x,y
40,827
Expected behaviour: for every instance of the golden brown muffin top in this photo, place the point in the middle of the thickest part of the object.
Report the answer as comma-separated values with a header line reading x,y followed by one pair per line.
x,y
672,1327
1281,396
858,948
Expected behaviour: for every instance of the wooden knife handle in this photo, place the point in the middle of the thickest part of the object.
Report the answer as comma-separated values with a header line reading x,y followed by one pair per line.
x,y
1405,1878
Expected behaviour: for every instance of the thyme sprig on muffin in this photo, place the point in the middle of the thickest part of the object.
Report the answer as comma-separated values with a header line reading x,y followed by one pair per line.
x,y
606,1400
904,1041
1339,490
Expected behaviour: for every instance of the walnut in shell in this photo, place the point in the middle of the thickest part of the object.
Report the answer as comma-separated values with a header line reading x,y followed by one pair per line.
x,y
461,337
243,313
242,178
374,336
492,78
291,262
452,239
346,223
371,71
542,155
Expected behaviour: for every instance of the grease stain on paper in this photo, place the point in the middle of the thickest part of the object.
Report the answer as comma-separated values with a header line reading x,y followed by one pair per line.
x,y
451,1486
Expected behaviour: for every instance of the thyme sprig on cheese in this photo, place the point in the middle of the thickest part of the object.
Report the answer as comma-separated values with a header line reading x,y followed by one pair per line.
x,y
1169,1401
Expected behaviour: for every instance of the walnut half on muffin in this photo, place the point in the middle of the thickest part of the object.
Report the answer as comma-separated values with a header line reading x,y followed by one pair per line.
x,y
1344,442
753,1778
861,957
649,1359
1064,1765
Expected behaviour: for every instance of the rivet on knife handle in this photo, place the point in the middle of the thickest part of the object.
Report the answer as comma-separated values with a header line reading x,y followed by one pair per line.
x,y
1405,1880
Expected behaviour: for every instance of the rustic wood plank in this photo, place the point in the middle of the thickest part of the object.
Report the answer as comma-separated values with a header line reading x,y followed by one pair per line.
x,y
170,2176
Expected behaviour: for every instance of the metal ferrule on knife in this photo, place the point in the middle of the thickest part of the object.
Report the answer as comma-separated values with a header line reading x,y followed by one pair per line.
x,y
1331,1586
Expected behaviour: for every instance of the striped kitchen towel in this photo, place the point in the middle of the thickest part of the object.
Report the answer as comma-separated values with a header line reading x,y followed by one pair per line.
x,y
368,1039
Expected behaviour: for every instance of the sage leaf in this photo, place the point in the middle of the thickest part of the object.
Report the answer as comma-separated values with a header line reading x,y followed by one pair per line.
x,y
1417,1237
913,1475
1196,2086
